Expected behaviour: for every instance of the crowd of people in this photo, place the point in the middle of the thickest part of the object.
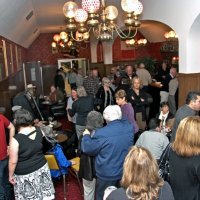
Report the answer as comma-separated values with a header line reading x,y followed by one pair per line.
x,y
119,146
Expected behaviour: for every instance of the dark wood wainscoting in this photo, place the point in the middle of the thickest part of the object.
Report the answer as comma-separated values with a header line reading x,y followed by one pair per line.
x,y
9,87
187,83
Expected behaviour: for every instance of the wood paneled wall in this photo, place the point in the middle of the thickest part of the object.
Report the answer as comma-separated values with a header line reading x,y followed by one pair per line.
x,y
187,83
9,87
104,70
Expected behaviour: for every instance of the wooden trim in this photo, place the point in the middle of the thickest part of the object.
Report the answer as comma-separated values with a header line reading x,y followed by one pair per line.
x,y
187,83
17,58
5,58
11,58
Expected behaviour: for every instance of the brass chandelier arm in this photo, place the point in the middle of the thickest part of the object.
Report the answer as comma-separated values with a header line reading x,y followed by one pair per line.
x,y
81,39
122,35
72,36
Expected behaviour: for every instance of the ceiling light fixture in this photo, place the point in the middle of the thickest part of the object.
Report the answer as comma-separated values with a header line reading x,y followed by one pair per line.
x,y
136,43
171,43
63,43
96,17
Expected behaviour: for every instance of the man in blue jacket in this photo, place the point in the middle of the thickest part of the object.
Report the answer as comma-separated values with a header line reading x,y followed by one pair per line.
x,y
110,146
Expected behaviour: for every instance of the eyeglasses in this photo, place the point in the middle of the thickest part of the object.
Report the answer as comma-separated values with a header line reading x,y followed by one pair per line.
x,y
107,83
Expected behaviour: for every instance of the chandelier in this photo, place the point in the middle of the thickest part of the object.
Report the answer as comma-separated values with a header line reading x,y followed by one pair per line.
x,y
136,43
64,43
97,18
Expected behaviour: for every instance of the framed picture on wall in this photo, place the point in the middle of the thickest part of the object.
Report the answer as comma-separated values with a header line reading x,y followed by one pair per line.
x,y
81,64
65,64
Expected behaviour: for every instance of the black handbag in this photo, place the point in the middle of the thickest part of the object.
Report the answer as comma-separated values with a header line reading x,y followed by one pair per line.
x,y
164,164
86,169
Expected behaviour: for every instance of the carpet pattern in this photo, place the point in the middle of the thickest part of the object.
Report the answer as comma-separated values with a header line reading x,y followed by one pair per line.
x,y
73,190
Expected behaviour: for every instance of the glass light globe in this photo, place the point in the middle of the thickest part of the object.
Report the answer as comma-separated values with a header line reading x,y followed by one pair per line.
x,y
69,9
63,35
53,45
127,42
144,41
132,42
139,8
172,34
111,12
166,35
91,6
129,6
81,15
56,37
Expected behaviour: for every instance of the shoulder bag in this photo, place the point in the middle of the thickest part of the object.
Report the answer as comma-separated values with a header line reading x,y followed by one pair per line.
x,y
164,164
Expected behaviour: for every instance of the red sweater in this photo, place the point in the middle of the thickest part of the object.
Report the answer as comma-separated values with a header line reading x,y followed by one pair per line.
x,y
4,123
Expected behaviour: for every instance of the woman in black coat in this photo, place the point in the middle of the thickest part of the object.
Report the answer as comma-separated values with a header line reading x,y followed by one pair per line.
x,y
139,99
105,95
82,106
140,179
184,160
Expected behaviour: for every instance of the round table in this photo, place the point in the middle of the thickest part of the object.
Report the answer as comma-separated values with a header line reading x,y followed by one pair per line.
x,y
60,137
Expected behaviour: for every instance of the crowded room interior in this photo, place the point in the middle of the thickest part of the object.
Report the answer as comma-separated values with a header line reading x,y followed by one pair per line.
x,y
99,100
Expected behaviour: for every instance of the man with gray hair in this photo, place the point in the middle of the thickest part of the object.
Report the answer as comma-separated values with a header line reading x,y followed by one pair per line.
x,y
191,108
110,146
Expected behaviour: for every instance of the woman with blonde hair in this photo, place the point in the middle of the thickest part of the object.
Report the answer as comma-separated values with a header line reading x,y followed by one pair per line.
x,y
140,180
184,160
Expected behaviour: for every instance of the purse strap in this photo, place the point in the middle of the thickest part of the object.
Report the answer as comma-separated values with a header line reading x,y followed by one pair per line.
x,y
31,133
165,155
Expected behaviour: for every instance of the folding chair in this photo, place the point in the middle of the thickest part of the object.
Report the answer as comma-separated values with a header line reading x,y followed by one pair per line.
x,y
53,165
74,169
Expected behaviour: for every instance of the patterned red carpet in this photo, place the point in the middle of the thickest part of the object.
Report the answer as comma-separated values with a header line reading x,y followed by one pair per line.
x,y
73,190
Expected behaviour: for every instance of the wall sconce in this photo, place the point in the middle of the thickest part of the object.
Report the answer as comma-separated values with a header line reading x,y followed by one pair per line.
x,y
171,35
175,60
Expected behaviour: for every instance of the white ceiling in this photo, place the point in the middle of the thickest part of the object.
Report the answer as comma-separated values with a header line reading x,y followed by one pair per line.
x,y
48,17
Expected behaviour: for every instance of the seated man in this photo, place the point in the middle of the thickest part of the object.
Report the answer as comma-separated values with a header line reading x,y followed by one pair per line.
x,y
153,139
56,94
109,145
29,101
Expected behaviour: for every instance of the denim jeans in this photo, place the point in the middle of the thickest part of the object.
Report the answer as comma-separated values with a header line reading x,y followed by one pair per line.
x,y
5,186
